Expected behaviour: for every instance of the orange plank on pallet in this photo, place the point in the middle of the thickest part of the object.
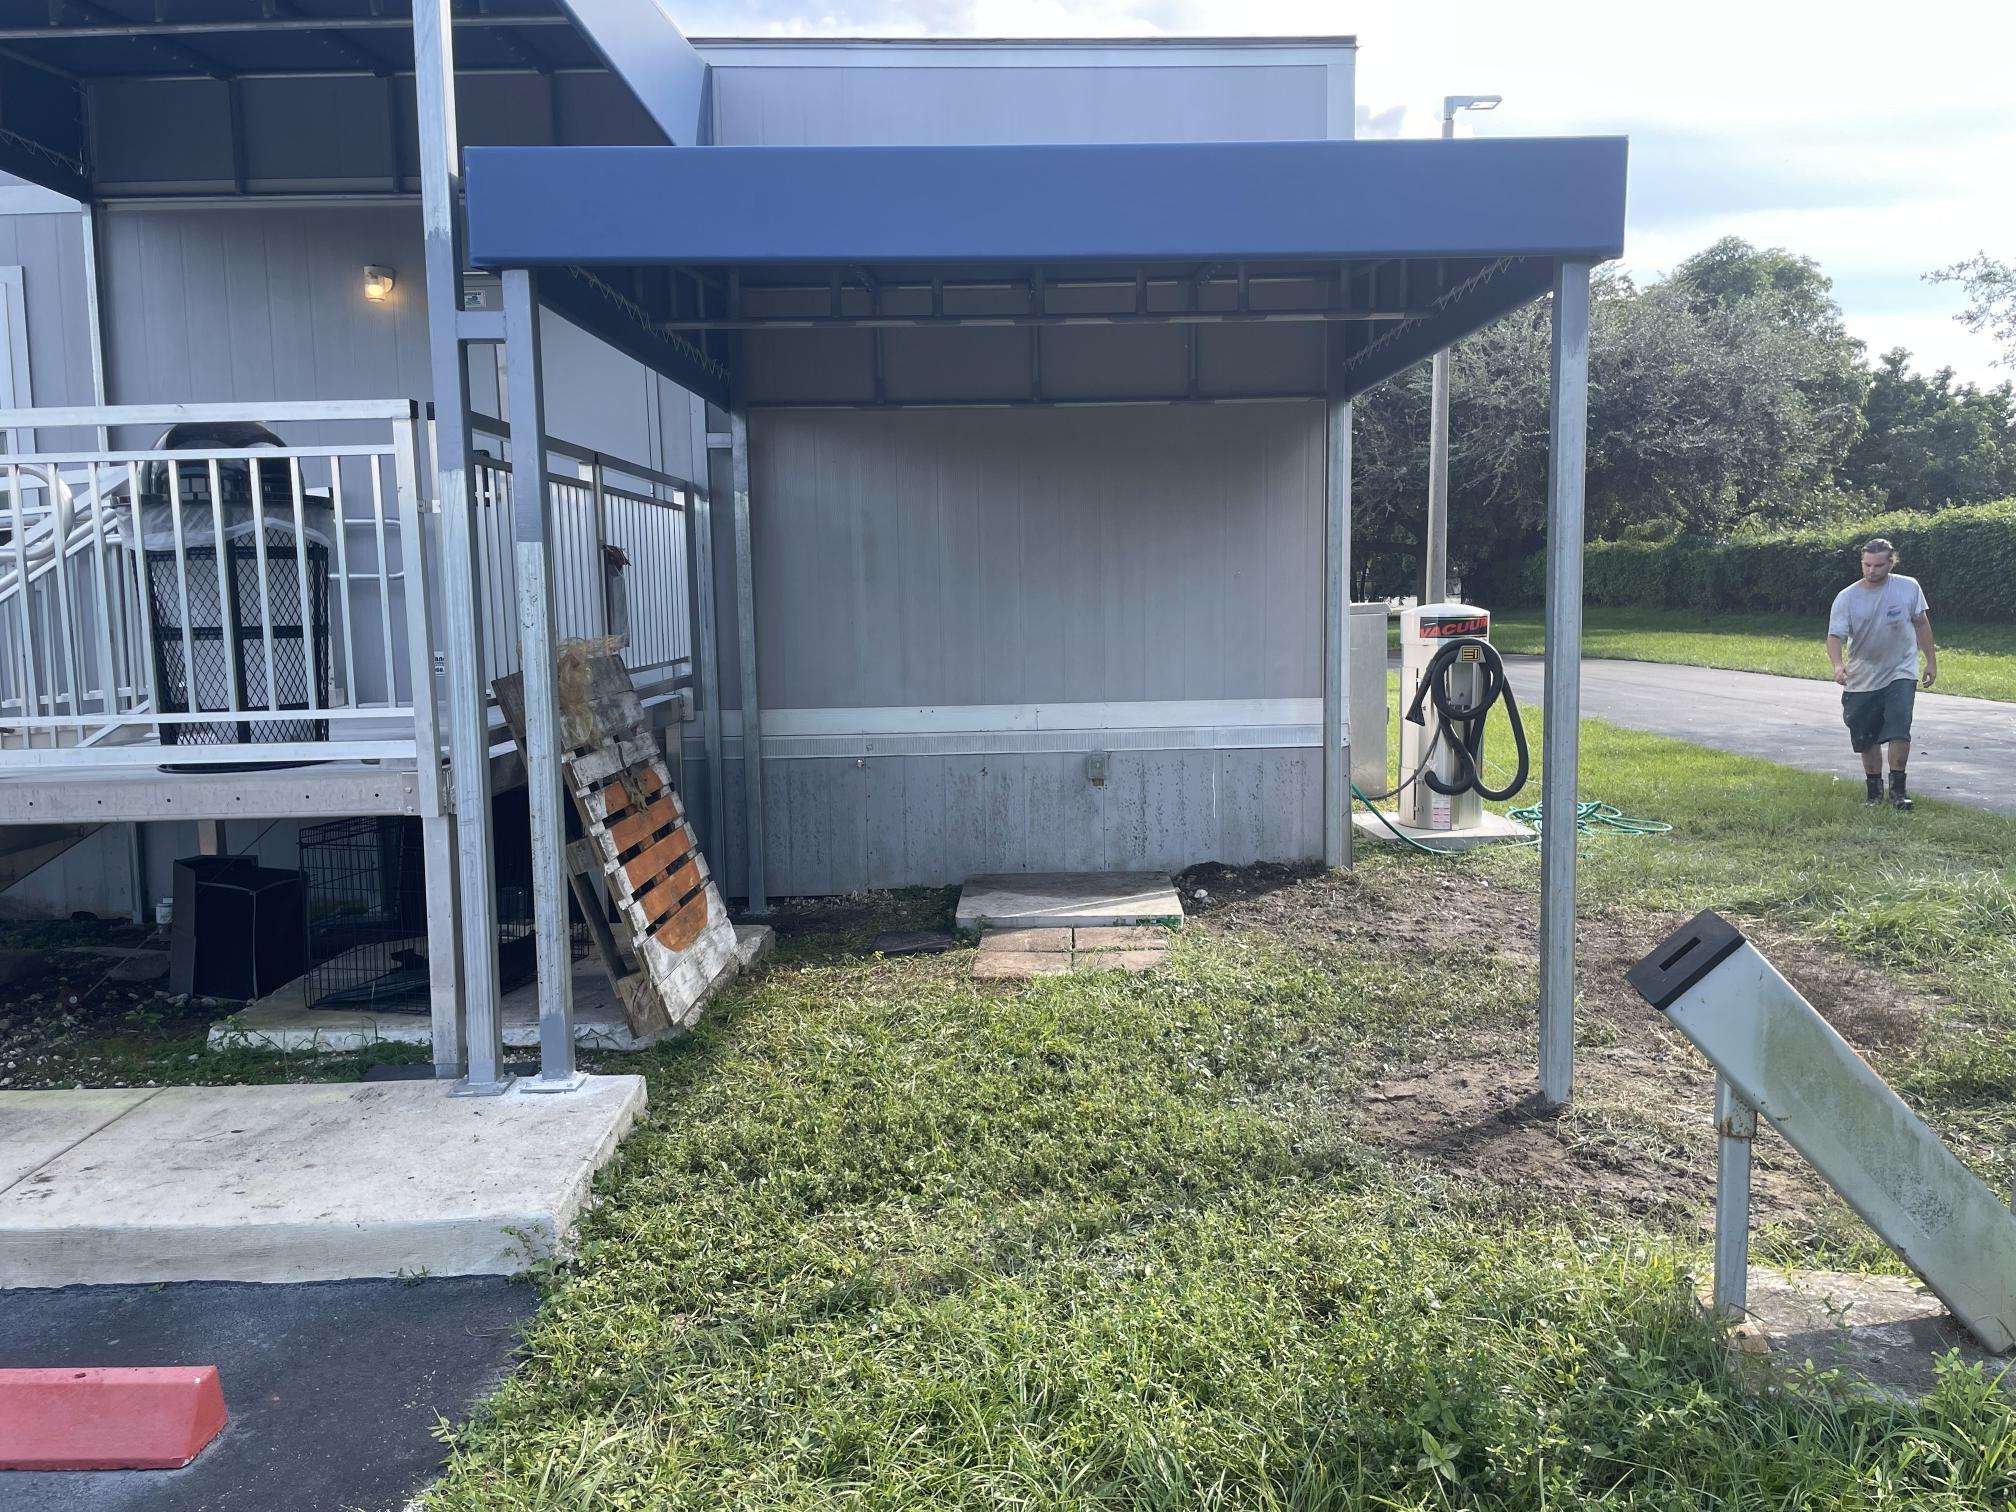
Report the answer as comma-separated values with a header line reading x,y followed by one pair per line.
x,y
663,813
616,794
684,927
662,896
657,858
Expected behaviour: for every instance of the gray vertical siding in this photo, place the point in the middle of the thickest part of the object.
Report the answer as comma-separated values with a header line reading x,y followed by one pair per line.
x,y
926,558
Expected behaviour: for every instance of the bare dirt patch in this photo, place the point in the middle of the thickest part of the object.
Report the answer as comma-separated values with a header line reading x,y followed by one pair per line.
x,y
1639,1135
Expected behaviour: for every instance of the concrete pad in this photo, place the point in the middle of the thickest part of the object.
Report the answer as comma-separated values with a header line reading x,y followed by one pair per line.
x,y
311,1183
1882,1332
279,1021
1495,827
1026,939
1117,960
1060,900
1021,963
1120,937
36,1127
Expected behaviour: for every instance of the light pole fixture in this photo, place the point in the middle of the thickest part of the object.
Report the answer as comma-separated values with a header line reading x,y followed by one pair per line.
x,y
1435,567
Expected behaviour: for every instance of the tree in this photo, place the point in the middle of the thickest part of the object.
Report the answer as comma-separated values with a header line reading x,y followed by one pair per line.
x,y
1930,441
1991,299
1717,397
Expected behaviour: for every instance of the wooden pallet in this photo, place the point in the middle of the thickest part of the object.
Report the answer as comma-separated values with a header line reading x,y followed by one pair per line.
x,y
676,944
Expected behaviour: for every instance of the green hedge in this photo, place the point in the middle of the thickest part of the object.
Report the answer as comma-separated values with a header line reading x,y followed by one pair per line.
x,y
1966,557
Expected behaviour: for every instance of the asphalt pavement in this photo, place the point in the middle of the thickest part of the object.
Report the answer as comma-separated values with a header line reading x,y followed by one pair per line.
x,y
333,1387
1962,749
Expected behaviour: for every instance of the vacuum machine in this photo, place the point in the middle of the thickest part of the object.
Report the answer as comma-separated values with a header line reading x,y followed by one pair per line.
x,y
1451,676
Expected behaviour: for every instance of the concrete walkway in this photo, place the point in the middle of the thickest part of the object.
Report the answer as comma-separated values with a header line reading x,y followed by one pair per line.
x,y
1962,749
320,1182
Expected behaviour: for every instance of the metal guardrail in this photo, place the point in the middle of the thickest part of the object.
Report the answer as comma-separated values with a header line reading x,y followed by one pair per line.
x,y
641,594
215,598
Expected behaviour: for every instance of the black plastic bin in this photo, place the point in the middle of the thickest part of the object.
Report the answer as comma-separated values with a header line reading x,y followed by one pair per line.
x,y
240,929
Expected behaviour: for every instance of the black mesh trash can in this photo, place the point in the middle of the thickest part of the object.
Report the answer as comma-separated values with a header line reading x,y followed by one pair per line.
x,y
240,929
222,609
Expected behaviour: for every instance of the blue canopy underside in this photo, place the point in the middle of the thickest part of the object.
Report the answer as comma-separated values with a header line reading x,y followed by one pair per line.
x,y
1518,206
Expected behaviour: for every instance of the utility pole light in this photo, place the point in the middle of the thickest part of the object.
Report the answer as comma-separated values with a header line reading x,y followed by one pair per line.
x,y
1435,577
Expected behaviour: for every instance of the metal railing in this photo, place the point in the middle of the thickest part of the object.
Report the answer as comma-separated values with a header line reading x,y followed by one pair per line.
x,y
215,597
212,598
619,558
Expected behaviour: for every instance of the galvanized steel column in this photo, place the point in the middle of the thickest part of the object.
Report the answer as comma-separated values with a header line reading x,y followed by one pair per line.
x,y
706,629
1337,638
1568,422
461,628
745,626
1435,571
532,557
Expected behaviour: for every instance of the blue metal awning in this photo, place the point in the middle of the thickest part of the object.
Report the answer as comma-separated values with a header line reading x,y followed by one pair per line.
x,y
1142,202
1407,246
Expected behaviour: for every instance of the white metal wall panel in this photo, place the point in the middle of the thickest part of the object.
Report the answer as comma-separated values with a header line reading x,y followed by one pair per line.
x,y
1006,97
1127,555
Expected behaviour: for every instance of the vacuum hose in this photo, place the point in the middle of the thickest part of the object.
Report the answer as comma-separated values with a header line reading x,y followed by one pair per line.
x,y
1463,729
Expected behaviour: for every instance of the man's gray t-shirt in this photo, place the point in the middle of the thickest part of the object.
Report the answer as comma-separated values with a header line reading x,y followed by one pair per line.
x,y
1877,624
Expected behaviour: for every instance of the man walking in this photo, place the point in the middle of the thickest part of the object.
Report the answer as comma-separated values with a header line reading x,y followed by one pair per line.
x,y
1876,633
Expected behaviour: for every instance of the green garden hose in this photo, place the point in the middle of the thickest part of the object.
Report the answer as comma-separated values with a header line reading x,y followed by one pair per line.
x,y
1592,815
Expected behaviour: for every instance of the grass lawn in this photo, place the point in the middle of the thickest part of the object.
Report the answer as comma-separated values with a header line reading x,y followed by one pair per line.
x,y
1269,1228
1975,660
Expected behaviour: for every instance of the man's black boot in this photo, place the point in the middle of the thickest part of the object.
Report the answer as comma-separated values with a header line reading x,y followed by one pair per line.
x,y
1899,799
1874,781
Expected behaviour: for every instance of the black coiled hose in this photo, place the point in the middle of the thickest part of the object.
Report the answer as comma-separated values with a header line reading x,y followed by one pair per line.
x,y
1463,729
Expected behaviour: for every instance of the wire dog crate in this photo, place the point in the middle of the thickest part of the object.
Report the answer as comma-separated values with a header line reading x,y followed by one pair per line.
x,y
367,913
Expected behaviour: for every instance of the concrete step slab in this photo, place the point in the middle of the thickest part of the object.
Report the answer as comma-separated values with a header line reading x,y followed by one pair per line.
x,y
1020,963
1117,960
1046,940
1063,900
1121,937
300,1183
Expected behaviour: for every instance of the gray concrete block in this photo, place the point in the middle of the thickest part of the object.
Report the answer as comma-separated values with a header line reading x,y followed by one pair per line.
x,y
1021,963
298,1183
1052,900
1026,939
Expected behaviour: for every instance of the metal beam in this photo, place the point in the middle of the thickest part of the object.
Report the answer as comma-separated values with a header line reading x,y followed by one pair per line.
x,y
532,556
1337,638
109,23
461,634
147,31
1030,318
1435,567
752,701
706,629
1567,448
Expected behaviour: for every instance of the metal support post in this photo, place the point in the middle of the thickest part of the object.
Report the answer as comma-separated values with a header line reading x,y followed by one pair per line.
x,y
1435,576
532,557
210,837
1568,422
745,628
706,629
461,629
1736,1130
1337,639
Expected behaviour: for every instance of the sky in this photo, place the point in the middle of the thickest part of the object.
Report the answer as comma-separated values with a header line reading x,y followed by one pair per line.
x,y
1879,140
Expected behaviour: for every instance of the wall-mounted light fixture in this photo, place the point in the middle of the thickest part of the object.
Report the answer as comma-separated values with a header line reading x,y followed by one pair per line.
x,y
378,284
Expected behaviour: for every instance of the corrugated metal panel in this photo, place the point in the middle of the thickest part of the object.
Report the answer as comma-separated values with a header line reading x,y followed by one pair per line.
x,y
785,106
49,250
925,558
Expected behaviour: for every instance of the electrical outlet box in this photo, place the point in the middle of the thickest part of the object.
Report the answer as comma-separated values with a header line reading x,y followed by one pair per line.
x,y
1097,767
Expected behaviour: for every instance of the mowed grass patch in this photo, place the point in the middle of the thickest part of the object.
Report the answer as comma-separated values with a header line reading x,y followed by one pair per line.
x,y
1976,659
892,1238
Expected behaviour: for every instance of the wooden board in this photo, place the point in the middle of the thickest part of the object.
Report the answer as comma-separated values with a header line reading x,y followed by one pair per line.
x,y
676,942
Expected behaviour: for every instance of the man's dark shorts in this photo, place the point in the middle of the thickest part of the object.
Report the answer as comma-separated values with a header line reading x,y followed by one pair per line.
x,y
1880,715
